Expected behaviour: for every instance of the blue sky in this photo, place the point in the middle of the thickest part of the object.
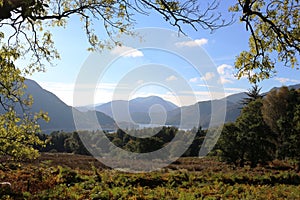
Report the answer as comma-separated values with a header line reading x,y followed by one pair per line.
x,y
221,46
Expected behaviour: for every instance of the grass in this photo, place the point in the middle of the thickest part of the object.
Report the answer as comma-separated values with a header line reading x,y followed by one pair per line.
x,y
67,176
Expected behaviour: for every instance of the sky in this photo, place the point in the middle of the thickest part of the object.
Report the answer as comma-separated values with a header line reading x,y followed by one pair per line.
x,y
131,69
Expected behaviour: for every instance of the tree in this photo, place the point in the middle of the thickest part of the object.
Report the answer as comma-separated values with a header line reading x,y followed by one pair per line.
x,y
194,148
295,148
229,148
278,112
273,27
57,141
17,129
253,94
249,139
274,30
73,144
254,134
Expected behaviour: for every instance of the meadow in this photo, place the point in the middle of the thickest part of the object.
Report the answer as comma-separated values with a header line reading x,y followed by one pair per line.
x,y
70,176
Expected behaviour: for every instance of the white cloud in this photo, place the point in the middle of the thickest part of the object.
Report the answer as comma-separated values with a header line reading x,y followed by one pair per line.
x,y
285,80
127,52
63,91
206,85
224,69
225,80
194,80
100,93
201,95
193,43
106,86
171,78
235,89
226,73
208,76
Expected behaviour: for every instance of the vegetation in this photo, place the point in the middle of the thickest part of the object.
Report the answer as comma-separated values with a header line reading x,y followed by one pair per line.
x,y
18,126
188,178
71,142
267,129
274,37
273,27
250,147
280,113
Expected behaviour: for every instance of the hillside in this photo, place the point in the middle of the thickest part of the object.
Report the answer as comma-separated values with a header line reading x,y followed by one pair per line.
x,y
136,109
61,115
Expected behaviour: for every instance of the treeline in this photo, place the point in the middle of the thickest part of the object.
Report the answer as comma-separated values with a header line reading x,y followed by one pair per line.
x,y
130,140
62,142
267,129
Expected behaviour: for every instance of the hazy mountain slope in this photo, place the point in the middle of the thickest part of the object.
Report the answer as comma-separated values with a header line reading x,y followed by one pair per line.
x,y
61,116
143,104
137,109
190,112
233,109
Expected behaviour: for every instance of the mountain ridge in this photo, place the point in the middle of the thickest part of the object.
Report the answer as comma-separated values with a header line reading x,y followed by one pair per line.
x,y
61,114
137,110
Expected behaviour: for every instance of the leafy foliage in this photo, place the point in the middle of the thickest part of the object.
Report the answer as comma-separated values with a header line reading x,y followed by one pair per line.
x,y
281,114
273,26
248,139
71,142
29,21
274,37
215,181
254,134
17,129
253,94
268,128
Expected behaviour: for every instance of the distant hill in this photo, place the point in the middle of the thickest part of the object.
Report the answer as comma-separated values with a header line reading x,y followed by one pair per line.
x,y
137,109
143,104
233,109
292,87
189,112
61,116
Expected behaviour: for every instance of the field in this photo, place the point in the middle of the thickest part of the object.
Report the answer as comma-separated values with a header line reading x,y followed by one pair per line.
x,y
68,176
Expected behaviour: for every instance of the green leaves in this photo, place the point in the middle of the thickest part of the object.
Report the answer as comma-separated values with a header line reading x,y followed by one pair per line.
x,y
17,136
280,112
274,37
171,5
268,128
17,129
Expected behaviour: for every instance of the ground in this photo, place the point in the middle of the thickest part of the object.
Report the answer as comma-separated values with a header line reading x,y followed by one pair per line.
x,y
68,176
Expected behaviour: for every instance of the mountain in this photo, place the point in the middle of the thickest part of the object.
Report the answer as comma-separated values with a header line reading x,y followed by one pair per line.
x,y
189,113
164,111
137,109
142,110
143,104
296,87
61,115
233,110
87,108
